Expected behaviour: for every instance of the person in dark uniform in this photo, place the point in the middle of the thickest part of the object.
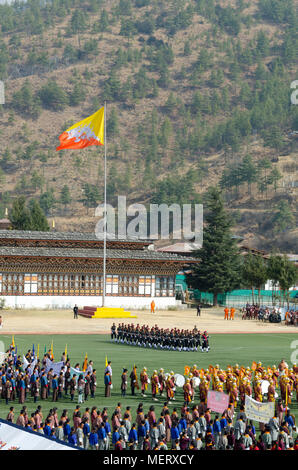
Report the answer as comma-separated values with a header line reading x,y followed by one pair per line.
x,y
124,382
113,332
133,380
198,311
75,311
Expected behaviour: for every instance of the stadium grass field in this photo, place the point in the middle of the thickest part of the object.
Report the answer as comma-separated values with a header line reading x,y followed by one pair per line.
x,y
225,349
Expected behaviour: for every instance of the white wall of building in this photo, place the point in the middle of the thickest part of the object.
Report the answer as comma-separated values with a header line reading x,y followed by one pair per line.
x,y
61,302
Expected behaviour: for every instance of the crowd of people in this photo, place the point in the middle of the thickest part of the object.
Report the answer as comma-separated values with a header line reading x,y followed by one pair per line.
x,y
291,317
192,427
273,315
158,338
188,428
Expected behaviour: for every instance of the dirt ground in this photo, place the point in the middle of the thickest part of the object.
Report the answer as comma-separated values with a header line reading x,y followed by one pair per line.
x,y
62,322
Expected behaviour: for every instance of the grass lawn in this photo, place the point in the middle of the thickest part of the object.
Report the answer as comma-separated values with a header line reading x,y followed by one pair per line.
x,y
225,349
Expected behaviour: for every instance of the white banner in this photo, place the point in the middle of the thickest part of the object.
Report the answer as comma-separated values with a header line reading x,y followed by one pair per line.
x,y
77,373
56,366
13,437
257,411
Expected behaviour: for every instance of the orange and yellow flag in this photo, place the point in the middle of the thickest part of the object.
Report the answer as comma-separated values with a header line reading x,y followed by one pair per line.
x,y
52,351
85,363
186,370
88,132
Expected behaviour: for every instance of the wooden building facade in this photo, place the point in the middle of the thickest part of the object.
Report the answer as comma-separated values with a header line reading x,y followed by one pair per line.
x,y
59,269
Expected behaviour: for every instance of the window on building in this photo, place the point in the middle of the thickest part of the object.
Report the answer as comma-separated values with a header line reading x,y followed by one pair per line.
x,y
164,286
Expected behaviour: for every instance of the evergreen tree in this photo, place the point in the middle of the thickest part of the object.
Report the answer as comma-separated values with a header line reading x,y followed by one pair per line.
x,y
248,171
288,277
38,219
78,94
254,273
274,268
113,123
53,96
274,177
219,267
47,201
19,215
65,197
283,218
91,196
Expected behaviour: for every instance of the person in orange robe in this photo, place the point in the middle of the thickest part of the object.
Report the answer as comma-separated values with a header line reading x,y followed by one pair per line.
x,y
152,306
226,310
232,313
271,391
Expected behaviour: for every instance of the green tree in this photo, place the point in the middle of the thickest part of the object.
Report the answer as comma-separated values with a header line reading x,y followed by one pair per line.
x,y
103,23
47,201
78,94
274,177
65,197
274,269
38,219
171,103
90,196
264,165
283,219
37,181
19,215
78,23
254,273
219,268
53,96
24,101
288,277
128,28
248,172
113,123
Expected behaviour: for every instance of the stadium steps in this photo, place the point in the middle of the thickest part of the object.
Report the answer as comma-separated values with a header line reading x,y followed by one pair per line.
x,y
105,312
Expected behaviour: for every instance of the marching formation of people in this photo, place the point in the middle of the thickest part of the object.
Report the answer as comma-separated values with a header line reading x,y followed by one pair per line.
x,y
235,381
158,338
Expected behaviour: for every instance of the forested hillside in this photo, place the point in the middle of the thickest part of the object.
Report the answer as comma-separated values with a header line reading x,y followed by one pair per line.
x,y
198,94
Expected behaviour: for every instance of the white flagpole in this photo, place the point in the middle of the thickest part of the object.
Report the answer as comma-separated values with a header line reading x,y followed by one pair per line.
x,y
105,209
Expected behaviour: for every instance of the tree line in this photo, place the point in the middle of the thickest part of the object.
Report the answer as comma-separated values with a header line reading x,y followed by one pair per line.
x,y
221,268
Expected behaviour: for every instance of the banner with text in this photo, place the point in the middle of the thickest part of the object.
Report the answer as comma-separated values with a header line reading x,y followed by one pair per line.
x,y
217,401
257,411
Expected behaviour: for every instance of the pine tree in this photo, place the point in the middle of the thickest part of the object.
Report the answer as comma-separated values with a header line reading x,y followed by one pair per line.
x,y
65,197
283,219
113,123
38,219
20,216
219,267
248,171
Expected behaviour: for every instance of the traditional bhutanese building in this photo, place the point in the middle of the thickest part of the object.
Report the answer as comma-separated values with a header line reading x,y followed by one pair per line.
x,y
60,269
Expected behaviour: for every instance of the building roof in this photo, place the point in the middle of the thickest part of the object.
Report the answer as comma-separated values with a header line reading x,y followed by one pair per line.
x,y
63,236
49,252
180,247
